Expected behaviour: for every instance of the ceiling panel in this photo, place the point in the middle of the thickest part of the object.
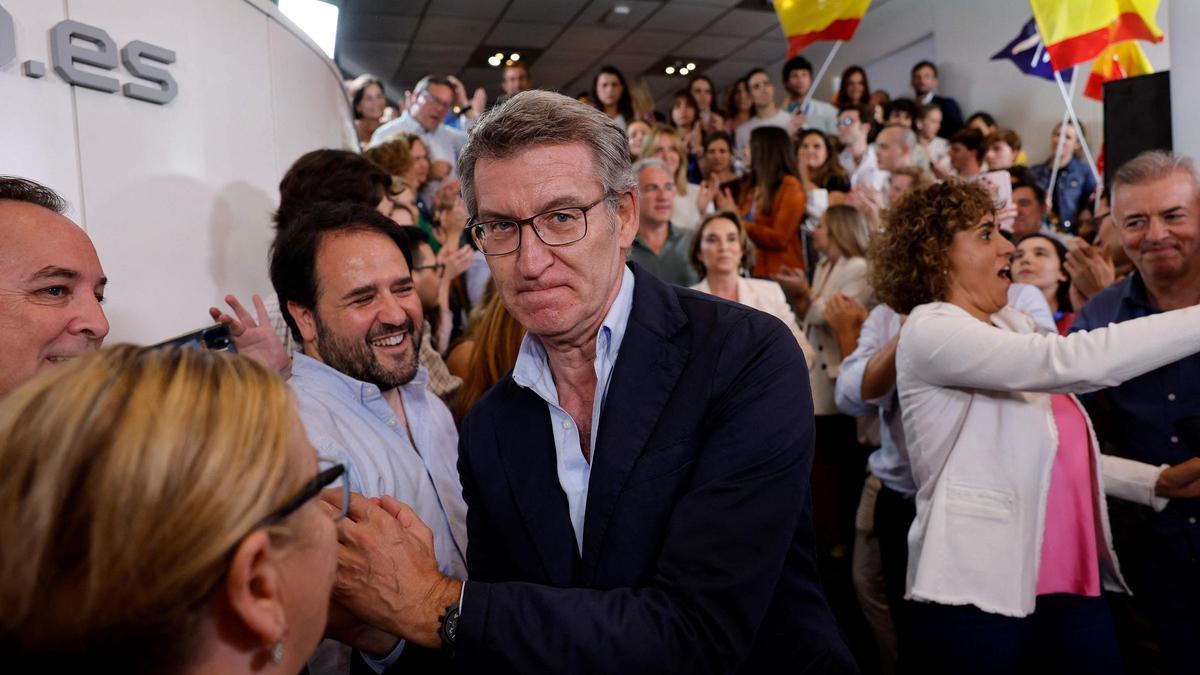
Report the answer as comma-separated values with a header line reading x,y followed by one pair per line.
x,y
726,72
395,7
550,11
744,23
460,34
486,77
523,34
466,9
603,12
357,27
653,42
710,46
713,3
677,17
581,39
632,65
763,51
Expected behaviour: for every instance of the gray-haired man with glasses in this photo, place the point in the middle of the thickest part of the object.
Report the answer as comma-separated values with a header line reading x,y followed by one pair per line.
x,y
637,485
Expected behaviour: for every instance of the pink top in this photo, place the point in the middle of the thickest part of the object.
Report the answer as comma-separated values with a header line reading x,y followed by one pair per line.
x,y
1070,561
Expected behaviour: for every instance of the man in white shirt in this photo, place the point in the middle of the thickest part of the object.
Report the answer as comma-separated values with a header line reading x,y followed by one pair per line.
x,y
432,99
797,80
858,158
766,113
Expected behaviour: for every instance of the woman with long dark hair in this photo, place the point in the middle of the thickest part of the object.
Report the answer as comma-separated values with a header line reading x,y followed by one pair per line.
x,y
773,207
610,95
853,89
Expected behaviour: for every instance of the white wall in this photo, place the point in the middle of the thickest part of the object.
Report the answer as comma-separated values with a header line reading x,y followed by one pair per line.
x,y
965,34
1185,95
177,197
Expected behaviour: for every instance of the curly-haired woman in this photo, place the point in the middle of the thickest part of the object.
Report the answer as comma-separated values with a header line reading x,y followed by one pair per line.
x,y
1011,545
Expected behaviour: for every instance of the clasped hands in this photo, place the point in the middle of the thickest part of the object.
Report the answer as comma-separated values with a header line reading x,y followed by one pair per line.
x,y
388,585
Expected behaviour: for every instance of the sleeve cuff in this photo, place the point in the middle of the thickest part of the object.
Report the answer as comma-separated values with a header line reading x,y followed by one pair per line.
x,y
1132,481
380,665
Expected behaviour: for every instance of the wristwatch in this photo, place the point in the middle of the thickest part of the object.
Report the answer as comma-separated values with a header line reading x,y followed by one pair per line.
x,y
448,630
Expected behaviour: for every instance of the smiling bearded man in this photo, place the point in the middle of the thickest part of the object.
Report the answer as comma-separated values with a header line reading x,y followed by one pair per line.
x,y
343,275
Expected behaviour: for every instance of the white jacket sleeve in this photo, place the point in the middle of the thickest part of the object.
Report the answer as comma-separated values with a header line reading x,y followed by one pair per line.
x,y
1132,481
945,346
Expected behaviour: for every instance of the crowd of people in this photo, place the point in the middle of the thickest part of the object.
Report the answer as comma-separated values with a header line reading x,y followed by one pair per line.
x,y
570,384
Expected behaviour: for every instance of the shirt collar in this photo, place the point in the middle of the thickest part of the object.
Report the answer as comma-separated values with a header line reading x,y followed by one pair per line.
x,y
532,371
364,392
1135,292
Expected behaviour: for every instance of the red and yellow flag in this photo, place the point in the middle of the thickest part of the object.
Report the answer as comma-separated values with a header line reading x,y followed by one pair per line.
x,y
1077,30
1116,62
807,21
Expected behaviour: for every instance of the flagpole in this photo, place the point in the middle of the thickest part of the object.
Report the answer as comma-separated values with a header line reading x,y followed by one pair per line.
x,y
820,73
1058,148
1087,151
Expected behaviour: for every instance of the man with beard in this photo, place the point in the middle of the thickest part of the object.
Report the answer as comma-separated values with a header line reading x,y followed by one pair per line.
x,y
344,280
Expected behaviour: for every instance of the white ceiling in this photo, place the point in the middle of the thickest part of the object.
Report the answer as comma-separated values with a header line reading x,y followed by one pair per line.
x,y
401,40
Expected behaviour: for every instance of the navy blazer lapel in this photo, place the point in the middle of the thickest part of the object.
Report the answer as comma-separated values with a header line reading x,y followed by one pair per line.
x,y
650,361
531,466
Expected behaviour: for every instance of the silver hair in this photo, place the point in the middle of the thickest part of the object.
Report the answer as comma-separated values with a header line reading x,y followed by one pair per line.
x,y
537,118
648,163
1153,165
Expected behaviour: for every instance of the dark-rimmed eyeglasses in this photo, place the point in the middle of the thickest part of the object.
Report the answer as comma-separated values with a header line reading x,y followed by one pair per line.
x,y
440,268
331,469
558,227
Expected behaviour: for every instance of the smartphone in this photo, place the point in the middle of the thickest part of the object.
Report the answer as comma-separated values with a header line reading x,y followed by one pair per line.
x,y
212,339
999,183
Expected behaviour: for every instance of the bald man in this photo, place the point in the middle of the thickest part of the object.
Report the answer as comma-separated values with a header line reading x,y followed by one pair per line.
x,y
51,284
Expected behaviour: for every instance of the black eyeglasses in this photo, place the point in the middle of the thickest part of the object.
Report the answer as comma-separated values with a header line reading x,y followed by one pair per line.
x,y
440,268
334,470
558,227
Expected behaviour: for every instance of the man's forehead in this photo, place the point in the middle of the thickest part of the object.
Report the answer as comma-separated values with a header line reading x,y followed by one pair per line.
x,y
533,177
33,238
1175,190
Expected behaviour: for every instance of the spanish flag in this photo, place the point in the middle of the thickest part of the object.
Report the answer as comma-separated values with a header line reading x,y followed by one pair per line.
x,y
1116,62
1077,30
807,21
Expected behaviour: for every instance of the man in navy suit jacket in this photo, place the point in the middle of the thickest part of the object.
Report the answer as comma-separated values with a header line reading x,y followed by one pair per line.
x,y
638,486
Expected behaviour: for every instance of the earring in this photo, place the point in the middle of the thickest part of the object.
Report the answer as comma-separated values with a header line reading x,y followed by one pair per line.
x,y
277,652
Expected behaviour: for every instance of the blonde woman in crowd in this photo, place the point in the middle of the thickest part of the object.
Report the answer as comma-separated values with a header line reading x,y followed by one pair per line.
x,y
666,143
159,514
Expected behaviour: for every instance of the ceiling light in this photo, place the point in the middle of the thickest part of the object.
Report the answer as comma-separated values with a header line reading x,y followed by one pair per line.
x,y
691,66
670,70
622,10
494,60
515,56
499,55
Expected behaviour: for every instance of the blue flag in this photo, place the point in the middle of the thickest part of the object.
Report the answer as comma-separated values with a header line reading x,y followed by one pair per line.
x,y
1028,53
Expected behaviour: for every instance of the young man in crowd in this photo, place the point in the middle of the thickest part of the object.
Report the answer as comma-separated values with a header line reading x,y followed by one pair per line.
x,y
858,156
966,153
660,247
925,84
797,80
766,112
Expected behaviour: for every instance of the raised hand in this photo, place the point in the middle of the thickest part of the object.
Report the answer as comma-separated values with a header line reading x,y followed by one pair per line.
x,y
253,336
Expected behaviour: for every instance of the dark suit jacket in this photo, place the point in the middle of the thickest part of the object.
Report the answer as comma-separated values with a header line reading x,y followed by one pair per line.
x,y
952,117
697,547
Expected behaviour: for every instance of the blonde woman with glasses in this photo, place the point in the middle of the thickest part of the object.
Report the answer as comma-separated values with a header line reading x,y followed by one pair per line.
x,y
159,514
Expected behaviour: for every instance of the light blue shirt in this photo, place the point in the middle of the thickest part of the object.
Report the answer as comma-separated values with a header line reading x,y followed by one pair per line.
x,y
532,371
890,463
350,420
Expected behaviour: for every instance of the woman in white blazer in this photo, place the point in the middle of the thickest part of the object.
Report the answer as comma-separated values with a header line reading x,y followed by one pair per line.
x,y
721,251
1011,545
